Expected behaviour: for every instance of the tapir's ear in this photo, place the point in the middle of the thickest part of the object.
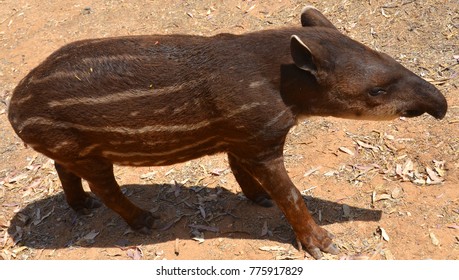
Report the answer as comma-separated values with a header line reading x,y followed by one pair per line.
x,y
310,16
302,55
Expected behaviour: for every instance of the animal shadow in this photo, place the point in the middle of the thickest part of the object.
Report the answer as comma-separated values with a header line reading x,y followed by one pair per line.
x,y
185,212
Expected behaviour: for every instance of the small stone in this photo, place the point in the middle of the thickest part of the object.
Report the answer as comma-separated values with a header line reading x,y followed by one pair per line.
x,y
86,11
434,239
396,193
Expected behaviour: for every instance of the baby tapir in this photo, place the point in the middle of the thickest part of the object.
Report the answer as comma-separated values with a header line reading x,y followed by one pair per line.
x,y
160,100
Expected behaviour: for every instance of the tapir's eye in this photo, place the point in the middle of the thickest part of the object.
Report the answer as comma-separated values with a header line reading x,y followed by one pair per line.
x,y
377,91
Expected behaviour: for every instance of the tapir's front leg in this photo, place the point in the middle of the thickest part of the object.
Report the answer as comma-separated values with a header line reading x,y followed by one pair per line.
x,y
274,179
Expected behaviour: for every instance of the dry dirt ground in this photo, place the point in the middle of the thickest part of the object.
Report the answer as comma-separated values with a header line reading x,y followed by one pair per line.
x,y
387,190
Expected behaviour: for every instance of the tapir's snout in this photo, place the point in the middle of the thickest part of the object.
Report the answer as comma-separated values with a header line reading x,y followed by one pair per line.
x,y
428,100
439,105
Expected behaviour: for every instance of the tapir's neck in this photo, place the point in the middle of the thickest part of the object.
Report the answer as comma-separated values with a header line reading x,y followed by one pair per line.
x,y
300,91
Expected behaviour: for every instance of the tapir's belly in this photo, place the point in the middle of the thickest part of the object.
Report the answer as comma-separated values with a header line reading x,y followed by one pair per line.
x,y
159,151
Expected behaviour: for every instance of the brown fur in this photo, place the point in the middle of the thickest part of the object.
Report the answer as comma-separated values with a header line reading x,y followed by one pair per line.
x,y
158,100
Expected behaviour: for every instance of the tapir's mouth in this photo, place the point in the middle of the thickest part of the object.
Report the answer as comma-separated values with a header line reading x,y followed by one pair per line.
x,y
412,113
438,114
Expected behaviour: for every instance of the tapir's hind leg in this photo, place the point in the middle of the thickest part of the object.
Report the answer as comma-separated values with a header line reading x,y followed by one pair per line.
x,y
249,185
99,174
76,197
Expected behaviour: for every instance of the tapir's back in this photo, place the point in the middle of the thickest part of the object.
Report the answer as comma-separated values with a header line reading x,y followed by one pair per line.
x,y
109,74
173,93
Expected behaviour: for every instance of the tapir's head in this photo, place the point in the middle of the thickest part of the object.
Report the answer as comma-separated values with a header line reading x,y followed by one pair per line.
x,y
354,81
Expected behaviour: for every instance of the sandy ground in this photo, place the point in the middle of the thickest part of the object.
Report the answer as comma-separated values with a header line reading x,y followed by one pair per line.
x,y
387,190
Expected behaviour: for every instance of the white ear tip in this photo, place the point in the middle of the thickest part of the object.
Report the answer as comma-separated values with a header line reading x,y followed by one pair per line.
x,y
299,41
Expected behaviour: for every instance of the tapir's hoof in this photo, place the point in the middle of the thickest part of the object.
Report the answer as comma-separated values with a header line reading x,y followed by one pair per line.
x,y
85,206
320,241
316,252
145,222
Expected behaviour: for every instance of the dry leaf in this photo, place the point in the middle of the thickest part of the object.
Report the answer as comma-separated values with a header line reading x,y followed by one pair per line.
x,y
148,176
408,167
354,258
367,146
312,170
128,231
202,211
439,163
365,168
288,256
435,179
383,196
169,172
389,137
383,12
49,165
441,172
272,248
251,8
346,150
304,192
177,189
5,255
4,223
170,224
419,182
398,170
218,171
18,178
209,198
154,209
384,234
453,226
20,249
159,253
135,254
88,238
198,236
91,235
264,229
331,173
38,219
